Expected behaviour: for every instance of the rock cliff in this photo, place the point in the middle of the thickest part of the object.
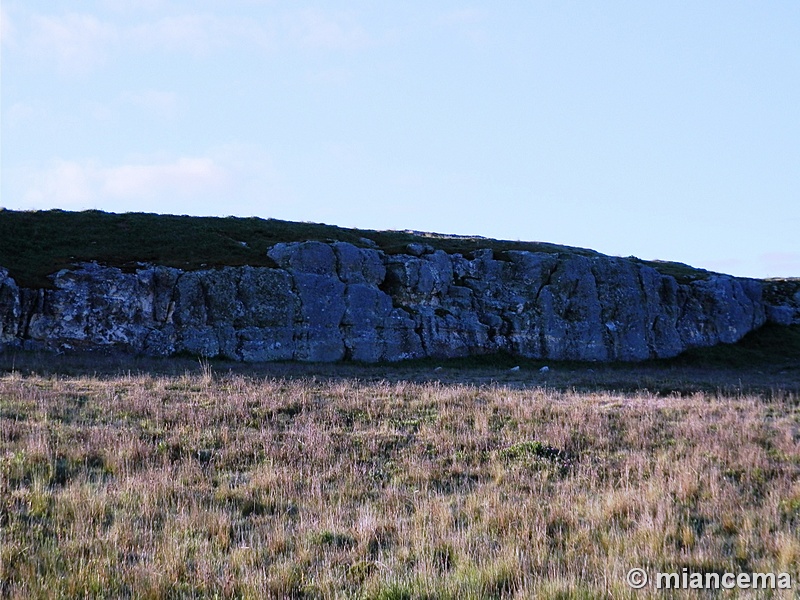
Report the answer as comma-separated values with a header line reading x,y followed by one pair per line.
x,y
335,301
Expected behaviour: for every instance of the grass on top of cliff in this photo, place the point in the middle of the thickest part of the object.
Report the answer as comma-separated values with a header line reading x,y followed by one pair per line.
x,y
35,244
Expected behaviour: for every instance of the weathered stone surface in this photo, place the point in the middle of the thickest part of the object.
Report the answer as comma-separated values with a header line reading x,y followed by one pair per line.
x,y
266,321
327,302
417,249
317,332
367,311
719,309
93,306
401,341
783,304
359,265
305,257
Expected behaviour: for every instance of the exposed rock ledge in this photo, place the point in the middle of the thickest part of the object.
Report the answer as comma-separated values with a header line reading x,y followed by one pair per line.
x,y
334,301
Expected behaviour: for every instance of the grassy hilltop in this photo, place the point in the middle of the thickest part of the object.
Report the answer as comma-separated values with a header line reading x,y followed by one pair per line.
x,y
36,244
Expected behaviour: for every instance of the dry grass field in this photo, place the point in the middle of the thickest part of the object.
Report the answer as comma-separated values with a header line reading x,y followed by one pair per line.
x,y
245,484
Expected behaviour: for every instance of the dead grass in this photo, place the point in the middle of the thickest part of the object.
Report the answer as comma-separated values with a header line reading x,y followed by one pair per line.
x,y
235,486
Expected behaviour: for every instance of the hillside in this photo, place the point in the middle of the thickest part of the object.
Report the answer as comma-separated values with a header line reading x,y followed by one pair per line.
x,y
34,245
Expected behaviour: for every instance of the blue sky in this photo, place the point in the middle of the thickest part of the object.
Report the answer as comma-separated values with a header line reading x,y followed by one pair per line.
x,y
665,130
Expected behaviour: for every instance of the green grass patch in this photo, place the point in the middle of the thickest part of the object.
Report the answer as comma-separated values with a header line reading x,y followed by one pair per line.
x,y
35,244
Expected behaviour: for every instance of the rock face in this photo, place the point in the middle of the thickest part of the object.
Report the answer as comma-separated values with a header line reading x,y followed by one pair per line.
x,y
783,301
335,301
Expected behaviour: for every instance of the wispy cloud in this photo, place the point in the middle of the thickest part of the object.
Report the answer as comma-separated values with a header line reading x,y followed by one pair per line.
x,y
464,15
237,178
335,76
186,177
74,184
470,22
199,34
159,102
77,42
19,113
68,181
132,6
317,29
7,32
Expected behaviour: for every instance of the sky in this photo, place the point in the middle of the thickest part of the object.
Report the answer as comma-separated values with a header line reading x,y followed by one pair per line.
x,y
663,130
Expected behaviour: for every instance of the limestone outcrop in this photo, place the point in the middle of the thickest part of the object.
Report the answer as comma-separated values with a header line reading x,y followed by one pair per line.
x,y
336,301
783,301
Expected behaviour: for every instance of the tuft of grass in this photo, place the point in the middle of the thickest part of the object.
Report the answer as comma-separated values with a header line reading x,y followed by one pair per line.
x,y
533,453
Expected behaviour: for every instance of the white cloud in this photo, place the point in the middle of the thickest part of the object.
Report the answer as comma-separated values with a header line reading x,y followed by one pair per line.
x,y
185,177
469,22
198,34
100,111
19,113
321,30
155,101
195,33
77,185
335,76
238,179
464,15
78,43
131,6
65,182
7,30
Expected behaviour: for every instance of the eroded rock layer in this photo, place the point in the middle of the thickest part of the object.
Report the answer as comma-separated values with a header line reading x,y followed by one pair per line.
x,y
335,301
